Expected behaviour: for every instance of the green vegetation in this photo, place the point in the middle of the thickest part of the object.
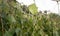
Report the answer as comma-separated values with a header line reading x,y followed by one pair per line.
x,y
20,20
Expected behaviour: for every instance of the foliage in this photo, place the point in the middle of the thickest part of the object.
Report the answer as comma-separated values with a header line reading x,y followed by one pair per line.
x,y
19,20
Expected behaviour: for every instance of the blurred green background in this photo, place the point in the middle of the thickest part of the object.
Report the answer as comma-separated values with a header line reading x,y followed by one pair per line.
x,y
20,20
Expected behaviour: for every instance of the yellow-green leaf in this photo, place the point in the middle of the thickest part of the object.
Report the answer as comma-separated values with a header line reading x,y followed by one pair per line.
x,y
33,8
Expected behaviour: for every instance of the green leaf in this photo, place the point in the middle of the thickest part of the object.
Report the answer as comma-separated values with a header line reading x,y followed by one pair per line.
x,y
11,19
33,9
17,30
9,33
